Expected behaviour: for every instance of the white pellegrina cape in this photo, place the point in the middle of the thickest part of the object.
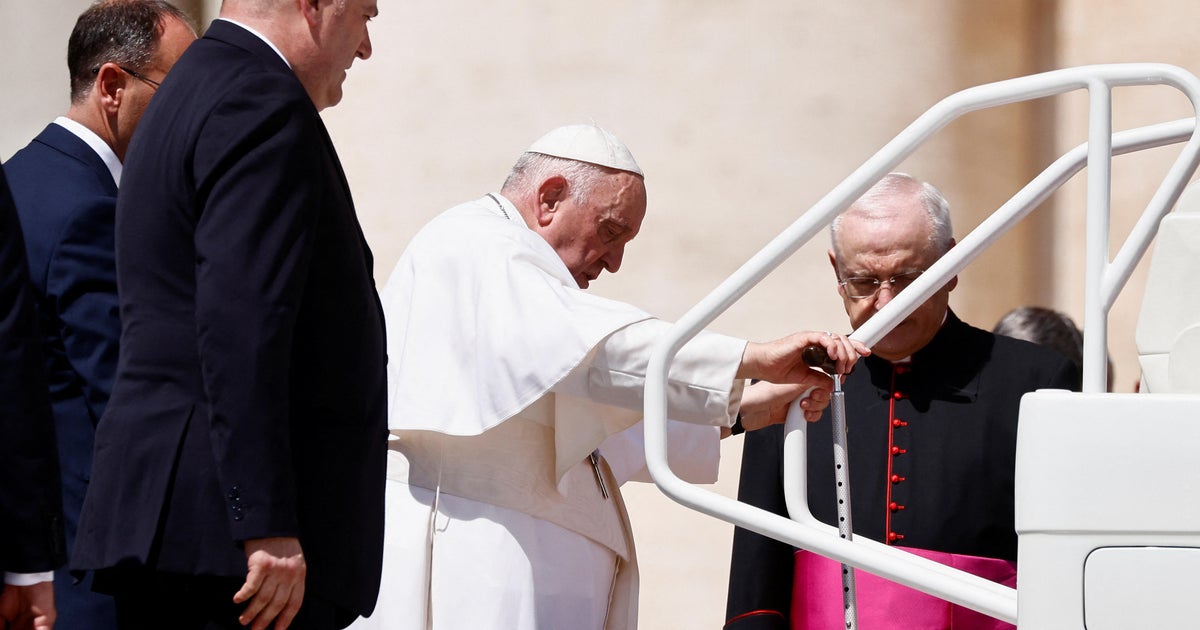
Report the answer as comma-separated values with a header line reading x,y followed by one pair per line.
x,y
504,377
483,318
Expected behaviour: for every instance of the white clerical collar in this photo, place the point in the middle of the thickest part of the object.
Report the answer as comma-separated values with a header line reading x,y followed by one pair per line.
x,y
260,36
99,146
908,359
505,208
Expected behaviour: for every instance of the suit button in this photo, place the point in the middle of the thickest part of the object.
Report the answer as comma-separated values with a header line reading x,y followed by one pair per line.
x,y
895,507
897,422
898,478
893,536
896,450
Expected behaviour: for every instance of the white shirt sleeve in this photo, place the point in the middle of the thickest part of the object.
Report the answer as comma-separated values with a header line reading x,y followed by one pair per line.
x,y
701,383
28,579
702,395
693,452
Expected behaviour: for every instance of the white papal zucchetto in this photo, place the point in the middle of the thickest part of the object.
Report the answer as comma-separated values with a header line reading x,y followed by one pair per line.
x,y
587,143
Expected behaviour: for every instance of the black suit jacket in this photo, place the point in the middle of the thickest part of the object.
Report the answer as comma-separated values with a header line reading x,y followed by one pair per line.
x,y
66,199
30,500
250,393
952,415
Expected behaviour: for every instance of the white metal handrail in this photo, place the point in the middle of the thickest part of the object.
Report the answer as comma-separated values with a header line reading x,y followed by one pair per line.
x,y
1103,281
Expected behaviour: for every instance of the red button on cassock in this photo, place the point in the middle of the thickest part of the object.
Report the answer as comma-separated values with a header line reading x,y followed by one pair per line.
x,y
896,450
895,507
898,478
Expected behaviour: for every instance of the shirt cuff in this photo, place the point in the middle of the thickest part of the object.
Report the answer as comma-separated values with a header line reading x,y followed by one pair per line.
x,y
28,579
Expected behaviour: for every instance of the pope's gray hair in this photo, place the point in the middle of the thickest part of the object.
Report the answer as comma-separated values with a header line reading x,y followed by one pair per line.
x,y
879,197
532,169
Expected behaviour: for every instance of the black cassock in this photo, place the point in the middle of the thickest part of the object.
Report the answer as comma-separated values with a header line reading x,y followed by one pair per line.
x,y
932,447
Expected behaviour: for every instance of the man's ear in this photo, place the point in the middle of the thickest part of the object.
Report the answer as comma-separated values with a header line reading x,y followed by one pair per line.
x,y
110,85
833,263
550,194
953,281
311,10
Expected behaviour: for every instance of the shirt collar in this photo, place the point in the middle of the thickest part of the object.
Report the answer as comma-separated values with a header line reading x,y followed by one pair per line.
x,y
945,316
99,146
505,208
260,36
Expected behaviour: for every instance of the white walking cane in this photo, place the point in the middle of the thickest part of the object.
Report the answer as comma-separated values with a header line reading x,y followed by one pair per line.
x,y
815,356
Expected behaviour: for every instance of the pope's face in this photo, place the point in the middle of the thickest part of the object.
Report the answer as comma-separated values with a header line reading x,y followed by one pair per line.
x,y
340,36
591,237
882,248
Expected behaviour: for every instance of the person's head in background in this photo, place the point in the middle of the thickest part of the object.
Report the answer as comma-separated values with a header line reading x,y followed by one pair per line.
x,y
118,54
1050,328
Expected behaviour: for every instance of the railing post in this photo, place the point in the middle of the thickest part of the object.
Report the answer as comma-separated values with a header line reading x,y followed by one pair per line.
x,y
1099,180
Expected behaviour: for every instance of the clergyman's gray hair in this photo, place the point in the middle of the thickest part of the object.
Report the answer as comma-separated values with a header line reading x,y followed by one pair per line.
x,y
879,197
124,32
533,168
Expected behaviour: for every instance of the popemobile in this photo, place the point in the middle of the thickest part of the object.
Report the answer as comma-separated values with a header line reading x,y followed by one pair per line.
x,y
1107,485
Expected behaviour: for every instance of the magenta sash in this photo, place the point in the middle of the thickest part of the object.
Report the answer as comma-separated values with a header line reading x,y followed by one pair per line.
x,y
885,605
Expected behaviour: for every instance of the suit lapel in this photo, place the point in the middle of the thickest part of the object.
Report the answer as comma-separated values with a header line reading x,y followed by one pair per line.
x,y
341,174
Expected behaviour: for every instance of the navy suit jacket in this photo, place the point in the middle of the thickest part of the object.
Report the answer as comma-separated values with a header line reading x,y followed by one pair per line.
x,y
66,199
250,396
30,501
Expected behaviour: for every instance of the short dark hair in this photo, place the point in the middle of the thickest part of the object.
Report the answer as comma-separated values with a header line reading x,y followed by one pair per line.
x,y
1046,327
125,32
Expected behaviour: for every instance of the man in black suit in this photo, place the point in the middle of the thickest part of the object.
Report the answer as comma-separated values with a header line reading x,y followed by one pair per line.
x,y
931,422
65,187
239,467
31,538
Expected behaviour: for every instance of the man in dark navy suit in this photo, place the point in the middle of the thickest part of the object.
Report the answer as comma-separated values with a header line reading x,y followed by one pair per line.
x,y
239,467
31,537
65,187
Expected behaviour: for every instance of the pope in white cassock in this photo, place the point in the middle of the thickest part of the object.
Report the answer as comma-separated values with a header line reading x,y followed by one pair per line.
x,y
515,400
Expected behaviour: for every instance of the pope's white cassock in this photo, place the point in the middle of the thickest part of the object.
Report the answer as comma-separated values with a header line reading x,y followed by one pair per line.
x,y
504,378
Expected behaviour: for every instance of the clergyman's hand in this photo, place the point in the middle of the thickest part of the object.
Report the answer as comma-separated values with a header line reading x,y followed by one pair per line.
x,y
28,607
274,583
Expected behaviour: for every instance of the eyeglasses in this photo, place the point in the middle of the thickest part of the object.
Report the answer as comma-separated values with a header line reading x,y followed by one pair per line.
x,y
862,287
135,74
